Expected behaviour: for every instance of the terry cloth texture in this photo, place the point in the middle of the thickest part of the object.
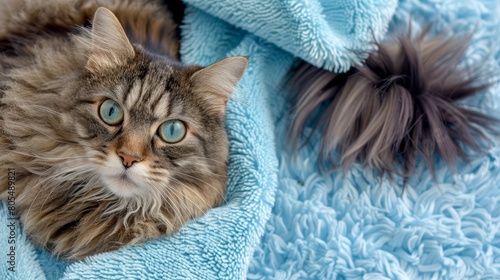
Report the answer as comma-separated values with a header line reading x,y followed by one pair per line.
x,y
361,227
220,244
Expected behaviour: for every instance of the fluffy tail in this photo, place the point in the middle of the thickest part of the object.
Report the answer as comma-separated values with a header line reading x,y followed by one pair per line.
x,y
400,105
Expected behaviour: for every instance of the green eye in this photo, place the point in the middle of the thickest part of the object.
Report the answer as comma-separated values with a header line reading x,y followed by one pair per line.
x,y
172,131
110,112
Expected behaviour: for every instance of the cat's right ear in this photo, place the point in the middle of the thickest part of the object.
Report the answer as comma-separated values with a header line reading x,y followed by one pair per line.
x,y
110,45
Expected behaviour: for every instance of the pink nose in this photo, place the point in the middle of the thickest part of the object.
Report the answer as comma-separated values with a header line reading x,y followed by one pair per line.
x,y
127,159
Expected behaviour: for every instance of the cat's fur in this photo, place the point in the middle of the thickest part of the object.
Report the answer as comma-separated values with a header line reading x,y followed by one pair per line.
x,y
401,104
71,193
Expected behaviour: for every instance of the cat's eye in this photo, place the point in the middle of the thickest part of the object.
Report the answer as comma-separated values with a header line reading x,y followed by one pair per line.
x,y
110,112
172,131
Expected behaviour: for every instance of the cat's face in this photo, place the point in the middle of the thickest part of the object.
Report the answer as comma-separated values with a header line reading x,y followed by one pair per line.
x,y
144,128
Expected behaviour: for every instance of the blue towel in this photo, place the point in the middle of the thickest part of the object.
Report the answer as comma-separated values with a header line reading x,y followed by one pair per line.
x,y
220,244
361,227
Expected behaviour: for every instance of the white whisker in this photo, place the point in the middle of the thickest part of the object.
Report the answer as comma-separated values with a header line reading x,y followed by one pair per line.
x,y
206,183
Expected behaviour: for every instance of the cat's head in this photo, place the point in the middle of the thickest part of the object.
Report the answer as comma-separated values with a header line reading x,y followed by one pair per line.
x,y
130,132
149,122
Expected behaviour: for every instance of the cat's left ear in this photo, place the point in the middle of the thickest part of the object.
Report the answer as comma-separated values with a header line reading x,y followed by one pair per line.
x,y
110,45
218,81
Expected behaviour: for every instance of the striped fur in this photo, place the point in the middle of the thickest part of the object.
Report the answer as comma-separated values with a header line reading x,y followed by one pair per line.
x,y
71,195
147,22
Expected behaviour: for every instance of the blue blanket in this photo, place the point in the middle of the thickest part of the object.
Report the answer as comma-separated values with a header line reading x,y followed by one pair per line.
x,y
281,219
361,227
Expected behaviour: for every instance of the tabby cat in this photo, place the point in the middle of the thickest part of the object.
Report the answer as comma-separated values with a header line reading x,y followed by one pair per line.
x,y
113,140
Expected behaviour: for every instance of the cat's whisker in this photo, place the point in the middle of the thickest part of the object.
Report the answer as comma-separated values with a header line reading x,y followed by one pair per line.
x,y
46,183
209,159
47,197
186,197
71,173
62,181
36,196
201,198
166,220
45,180
175,206
206,183
88,192
205,171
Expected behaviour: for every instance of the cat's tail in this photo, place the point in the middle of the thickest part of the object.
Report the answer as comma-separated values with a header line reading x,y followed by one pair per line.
x,y
403,103
148,22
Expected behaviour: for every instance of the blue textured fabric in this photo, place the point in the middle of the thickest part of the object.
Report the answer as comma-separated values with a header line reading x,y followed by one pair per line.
x,y
360,227
220,244
326,33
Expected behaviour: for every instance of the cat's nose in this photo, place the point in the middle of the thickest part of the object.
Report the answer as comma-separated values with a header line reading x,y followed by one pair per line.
x,y
128,159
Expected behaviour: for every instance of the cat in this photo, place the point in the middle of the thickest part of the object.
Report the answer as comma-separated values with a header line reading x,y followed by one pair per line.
x,y
112,143
401,105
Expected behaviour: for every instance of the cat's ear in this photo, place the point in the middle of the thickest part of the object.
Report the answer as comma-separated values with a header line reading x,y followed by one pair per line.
x,y
218,81
110,45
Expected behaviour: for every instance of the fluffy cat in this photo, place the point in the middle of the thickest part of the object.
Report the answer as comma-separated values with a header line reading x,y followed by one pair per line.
x,y
112,143
402,104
